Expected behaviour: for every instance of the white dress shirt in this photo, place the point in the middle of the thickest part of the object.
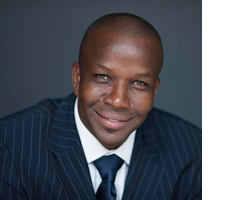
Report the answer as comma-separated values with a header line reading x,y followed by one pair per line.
x,y
93,150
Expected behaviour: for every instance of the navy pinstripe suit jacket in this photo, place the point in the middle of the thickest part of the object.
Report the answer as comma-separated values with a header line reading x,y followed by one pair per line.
x,y
41,156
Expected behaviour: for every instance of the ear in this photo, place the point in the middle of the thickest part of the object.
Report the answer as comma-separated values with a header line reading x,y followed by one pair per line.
x,y
158,81
76,78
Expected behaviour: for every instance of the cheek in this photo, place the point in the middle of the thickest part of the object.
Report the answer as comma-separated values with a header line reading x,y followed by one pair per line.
x,y
90,92
143,103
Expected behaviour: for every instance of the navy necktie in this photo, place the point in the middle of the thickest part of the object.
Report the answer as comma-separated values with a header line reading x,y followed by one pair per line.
x,y
107,167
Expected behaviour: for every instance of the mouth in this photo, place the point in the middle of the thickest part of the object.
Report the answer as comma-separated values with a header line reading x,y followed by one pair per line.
x,y
113,122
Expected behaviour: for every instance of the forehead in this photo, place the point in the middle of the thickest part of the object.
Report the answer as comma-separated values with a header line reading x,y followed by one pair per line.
x,y
112,46
108,39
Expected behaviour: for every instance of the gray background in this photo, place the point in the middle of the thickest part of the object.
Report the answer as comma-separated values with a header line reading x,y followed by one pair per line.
x,y
40,40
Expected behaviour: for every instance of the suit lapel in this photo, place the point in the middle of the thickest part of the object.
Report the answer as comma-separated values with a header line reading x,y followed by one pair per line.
x,y
68,159
145,172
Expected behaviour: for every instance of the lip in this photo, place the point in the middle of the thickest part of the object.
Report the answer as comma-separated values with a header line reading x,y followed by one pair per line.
x,y
113,122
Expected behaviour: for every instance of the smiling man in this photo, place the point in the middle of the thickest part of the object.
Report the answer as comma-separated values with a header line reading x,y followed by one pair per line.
x,y
117,77
105,141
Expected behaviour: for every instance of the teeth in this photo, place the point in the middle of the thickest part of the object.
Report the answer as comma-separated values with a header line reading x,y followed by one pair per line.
x,y
112,120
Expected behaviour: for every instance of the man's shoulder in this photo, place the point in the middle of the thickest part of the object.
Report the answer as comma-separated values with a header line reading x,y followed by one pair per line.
x,y
166,119
46,107
173,132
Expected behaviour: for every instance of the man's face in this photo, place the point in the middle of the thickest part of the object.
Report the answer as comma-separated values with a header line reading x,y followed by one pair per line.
x,y
116,85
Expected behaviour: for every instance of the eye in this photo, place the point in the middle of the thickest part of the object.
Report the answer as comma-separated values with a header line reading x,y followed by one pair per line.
x,y
102,76
140,83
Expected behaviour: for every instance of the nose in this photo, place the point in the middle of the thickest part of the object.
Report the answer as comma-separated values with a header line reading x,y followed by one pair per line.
x,y
118,97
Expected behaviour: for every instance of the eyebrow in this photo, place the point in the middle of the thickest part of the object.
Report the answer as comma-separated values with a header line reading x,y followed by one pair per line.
x,y
102,67
148,75
143,75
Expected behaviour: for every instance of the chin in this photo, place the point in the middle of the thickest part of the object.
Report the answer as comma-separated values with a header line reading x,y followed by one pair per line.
x,y
112,139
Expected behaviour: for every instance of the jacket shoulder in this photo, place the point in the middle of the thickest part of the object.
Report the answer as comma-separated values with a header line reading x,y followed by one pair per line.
x,y
44,107
175,134
159,114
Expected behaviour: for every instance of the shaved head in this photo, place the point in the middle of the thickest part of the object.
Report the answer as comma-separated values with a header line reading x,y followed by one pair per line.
x,y
125,24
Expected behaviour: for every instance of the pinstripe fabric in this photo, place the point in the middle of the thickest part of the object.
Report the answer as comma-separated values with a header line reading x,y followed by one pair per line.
x,y
41,156
166,162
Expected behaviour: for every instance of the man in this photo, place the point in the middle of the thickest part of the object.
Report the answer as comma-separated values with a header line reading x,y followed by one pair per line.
x,y
105,141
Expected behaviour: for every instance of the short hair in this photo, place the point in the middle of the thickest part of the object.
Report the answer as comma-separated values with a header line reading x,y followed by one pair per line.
x,y
129,25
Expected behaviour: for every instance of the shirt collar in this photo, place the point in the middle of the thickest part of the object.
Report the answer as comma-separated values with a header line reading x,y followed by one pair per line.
x,y
90,142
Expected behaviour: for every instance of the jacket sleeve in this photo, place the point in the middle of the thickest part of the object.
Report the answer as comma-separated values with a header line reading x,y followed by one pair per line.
x,y
10,183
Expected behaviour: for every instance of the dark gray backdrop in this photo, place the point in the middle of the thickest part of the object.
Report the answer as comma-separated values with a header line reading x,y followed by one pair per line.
x,y
40,40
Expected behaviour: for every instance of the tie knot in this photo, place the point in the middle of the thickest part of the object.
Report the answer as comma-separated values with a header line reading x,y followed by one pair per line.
x,y
108,167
